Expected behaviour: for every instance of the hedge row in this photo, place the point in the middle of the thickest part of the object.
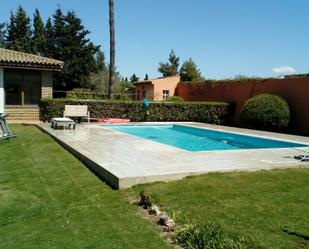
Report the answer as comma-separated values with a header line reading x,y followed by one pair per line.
x,y
209,112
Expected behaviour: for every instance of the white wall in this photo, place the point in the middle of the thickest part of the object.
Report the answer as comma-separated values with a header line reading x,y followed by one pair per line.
x,y
1,91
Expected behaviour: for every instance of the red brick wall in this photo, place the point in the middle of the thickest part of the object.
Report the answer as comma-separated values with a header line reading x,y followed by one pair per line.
x,y
294,90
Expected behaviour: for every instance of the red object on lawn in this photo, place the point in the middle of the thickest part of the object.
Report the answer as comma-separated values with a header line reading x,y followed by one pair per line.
x,y
114,120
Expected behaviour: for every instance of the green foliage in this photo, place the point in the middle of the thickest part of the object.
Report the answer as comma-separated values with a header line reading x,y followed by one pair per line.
x,y
174,99
49,35
19,34
39,37
169,68
100,61
266,111
190,72
2,35
134,78
208,236
73,47
82,93
64,37
210,112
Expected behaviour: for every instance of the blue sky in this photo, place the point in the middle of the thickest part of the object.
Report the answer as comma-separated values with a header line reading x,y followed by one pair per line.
x,y
223,37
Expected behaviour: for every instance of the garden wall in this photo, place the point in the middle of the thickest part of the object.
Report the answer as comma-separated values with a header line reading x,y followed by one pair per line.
x,y
216,113
294,90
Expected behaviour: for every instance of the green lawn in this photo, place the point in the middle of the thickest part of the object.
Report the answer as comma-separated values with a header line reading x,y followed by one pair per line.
x,y
48,199
260,205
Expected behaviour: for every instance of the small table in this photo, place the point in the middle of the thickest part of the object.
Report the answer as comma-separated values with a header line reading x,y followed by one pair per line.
x,y
64,122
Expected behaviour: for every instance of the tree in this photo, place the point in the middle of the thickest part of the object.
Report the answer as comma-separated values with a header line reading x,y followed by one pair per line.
x,y
112,46
146,77
100,60
134,78
190,72
39,35
49,35
19,32
68,39
2,35
169,68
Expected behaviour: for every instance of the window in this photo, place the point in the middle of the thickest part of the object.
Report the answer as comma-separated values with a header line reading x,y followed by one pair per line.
x,y
143,94
166,93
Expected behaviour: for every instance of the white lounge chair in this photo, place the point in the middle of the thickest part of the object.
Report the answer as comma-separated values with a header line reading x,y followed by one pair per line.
x,y
76,112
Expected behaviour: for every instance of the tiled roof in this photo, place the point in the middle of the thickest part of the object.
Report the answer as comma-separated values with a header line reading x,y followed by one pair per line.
x,y
156,79
10,58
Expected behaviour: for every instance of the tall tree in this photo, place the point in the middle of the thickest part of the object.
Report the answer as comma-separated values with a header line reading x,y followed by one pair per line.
x,y
112,47
170,68
19,32
2,35
100,60
77,51
134,78
146,77
49,35
190,72
39,35
71,45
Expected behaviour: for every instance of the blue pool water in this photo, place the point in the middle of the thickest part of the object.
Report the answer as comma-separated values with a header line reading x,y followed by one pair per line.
x,y
195,139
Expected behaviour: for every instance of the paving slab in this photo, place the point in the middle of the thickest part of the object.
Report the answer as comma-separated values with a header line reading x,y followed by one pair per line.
x,y
123,160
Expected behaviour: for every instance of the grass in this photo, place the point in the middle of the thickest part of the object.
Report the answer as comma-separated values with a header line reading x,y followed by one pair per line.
x,y
271,208
51,200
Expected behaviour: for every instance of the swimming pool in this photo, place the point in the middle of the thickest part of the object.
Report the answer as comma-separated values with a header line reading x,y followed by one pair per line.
x,y
196,139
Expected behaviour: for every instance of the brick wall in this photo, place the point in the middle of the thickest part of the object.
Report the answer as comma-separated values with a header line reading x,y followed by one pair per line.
x,y
47,84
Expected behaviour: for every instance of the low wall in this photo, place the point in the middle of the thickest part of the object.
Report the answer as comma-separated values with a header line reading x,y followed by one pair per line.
x,y
294,90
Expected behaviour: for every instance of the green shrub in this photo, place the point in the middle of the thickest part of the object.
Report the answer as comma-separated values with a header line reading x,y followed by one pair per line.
x,y
208,236
266,111
82,93
208,112
174,99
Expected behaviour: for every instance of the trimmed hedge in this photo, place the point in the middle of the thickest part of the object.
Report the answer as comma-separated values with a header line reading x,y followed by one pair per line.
x,y
266,111
209,112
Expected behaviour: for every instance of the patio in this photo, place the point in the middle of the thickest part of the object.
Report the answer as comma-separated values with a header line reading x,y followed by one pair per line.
x,y
123,160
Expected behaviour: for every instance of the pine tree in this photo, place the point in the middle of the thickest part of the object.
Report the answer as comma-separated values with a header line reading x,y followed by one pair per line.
x,y
169,68
19,32
190,72
2,35
134,78
49,35
146,77
79,53
39,35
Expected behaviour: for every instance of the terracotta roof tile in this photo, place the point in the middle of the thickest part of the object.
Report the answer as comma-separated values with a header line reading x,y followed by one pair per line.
x,y
18,58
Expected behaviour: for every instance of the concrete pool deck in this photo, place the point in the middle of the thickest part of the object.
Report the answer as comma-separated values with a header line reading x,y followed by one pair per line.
x,y
123,160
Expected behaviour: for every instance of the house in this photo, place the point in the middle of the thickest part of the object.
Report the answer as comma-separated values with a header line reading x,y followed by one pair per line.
x,y
156,89
24,80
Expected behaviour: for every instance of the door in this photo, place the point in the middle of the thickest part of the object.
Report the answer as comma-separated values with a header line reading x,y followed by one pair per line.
x,y
22,87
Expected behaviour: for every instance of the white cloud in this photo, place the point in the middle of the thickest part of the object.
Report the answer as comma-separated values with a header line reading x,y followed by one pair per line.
x,y
284,70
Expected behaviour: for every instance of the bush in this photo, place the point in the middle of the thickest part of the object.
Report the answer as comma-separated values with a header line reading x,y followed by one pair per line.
x,y
208,112
266,111
81,93
174,99
208,236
